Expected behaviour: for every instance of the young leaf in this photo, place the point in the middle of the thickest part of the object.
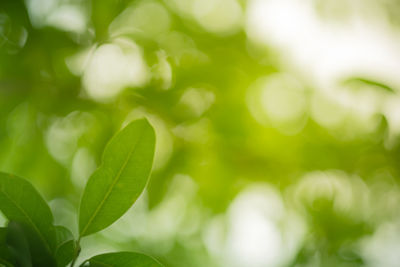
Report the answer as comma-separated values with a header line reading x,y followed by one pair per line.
x,y
64,252
123,259
20,202
118,182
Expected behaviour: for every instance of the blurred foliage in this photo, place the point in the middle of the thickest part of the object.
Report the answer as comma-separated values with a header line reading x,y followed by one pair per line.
x,y
227,115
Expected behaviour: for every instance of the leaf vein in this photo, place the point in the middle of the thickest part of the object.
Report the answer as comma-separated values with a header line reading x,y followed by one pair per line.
x,y
108,193
29,219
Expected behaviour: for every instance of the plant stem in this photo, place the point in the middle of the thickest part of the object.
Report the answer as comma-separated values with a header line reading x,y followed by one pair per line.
x,y
76,252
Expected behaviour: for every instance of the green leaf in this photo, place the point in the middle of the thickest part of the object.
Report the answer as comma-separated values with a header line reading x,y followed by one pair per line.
x,y
62,234
123,259
20,202
363,81
5,263
18,244
6,257
119,181
65,248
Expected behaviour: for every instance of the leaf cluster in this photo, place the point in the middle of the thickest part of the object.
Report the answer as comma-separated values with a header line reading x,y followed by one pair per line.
x,y
31,238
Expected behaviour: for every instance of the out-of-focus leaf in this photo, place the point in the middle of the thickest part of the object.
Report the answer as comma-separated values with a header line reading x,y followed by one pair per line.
x,y
18,245
65,248
116,185
123,259
364,81
103,12
5,263
5,254
39,254
20,202
62,234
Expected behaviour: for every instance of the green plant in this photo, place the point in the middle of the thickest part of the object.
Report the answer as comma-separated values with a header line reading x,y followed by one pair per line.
x,y
31,238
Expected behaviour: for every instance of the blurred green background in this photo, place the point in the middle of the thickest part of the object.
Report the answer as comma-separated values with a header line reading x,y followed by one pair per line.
x,y
277,123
